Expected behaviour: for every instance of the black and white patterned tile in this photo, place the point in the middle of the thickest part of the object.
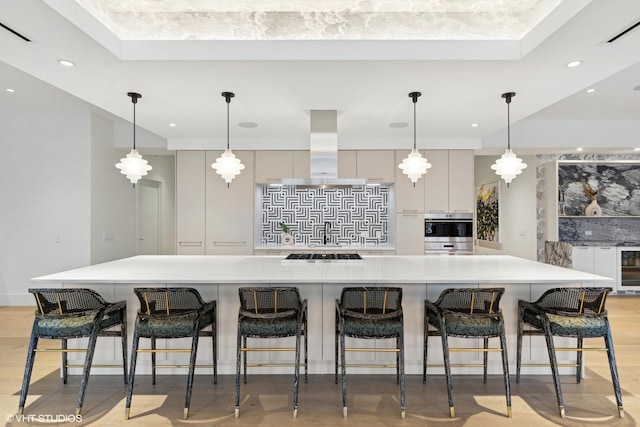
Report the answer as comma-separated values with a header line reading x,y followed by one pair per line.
x,y
358,215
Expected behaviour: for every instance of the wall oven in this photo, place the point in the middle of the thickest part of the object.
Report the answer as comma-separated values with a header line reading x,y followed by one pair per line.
x,y
448,233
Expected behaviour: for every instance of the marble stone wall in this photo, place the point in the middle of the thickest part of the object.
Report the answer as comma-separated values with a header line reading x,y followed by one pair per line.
x,y
621,196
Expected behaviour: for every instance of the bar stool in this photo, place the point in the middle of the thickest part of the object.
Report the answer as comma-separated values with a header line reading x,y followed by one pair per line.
x,y
569,312
168,313
74,313
271,312
467,313
370,313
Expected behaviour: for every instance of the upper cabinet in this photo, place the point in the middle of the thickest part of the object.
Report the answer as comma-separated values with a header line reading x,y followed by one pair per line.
x,y
273,166
301,164
375,165
229,209
449,181
190,202
346,164
409,197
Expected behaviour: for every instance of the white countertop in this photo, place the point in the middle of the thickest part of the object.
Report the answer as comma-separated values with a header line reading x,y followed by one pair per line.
x,y
195,269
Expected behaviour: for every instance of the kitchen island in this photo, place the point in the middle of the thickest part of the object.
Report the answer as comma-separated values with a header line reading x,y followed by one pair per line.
x,y
219,277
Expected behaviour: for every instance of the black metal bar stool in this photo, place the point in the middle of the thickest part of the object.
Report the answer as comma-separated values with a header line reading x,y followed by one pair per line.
x,y
569,312
371,313
271,313
74,313
467,313
167,313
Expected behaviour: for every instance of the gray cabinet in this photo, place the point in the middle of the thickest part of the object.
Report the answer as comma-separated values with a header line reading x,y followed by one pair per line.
x,y
190,202
449,183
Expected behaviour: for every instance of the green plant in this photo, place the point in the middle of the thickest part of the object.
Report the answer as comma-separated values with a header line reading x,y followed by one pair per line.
x,y
285,228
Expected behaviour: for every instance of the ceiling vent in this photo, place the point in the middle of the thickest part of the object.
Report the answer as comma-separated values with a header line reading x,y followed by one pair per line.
x,y
14,32
624,32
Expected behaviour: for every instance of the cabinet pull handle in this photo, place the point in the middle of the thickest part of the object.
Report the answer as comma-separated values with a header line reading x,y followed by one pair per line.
x,y
410,211
461,210
606,248
188,243
226,243
436,211
374,179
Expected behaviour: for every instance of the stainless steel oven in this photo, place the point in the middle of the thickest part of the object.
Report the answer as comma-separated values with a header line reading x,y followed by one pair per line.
x,y
448,233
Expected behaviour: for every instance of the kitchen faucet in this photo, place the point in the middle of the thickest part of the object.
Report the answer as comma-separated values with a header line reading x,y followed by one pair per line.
x,y
327,230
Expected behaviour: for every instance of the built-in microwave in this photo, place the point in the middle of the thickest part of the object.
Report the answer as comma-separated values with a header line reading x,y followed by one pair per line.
x,y
448,233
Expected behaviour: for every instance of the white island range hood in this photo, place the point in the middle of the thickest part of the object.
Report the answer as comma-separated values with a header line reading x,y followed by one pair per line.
x,y
323,147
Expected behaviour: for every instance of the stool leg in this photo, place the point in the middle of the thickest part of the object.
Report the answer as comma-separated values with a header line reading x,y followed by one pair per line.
x,y
237,392
132,373
485,359
93,338
519,344
214,343
554,364
28,369
614,371
447,370
125,346
336,347
244,358
398,361
401,373
296,377
65,360
579,361
344,370
192,368
505,369
426,347
153,361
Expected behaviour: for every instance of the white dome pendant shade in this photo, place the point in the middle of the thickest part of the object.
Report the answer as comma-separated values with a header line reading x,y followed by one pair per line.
x,y
414,166
508,166
134,166
228,166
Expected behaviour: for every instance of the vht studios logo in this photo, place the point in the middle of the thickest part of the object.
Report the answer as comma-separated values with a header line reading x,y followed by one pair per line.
x,y
43,418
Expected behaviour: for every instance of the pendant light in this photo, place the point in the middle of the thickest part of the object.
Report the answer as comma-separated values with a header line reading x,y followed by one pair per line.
x,y
134,166
508,166
227,165
414,166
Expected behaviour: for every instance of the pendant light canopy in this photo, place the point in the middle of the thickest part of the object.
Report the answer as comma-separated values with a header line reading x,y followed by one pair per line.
x,y
134,166
227,165
414,166
508,166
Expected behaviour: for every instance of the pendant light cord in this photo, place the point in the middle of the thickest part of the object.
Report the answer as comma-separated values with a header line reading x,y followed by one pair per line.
x,y
414,96
228,99
134,122
508,124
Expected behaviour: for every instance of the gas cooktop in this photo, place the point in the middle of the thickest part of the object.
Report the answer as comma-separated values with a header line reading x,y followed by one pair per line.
x,y
323,257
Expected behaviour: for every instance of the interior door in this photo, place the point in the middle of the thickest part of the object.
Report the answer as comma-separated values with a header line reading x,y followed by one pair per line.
x,y
148,217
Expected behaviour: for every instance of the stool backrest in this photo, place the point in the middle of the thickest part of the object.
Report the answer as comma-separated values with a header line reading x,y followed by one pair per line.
x,y
581,301
471,300
167,301
269,301
67,301
371,300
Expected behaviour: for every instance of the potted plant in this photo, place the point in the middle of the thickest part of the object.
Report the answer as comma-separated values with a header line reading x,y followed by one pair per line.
x,y
287,238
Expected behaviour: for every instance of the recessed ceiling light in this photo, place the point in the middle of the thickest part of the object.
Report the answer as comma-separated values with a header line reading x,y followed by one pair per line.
x,y
66,63
398,125
474,125
10,90
573,64
248,125
172,125
579,149
636,149
590,90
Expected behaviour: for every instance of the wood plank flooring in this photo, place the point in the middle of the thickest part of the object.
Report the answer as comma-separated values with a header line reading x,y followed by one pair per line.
x,y
373,400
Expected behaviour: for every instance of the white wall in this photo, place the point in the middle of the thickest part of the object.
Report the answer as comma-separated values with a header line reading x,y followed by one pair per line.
x,y
164,172
518,209
45,178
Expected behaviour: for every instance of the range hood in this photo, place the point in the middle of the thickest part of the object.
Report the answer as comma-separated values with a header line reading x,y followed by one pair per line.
x,y
323,150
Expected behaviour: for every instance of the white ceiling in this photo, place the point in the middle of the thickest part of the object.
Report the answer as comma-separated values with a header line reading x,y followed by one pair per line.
x,y
462,55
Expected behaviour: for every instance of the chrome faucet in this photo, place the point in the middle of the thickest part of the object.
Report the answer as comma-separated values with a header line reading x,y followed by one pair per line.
x,y
327,230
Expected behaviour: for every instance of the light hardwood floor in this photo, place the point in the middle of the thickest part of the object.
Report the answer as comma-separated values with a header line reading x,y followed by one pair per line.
x,y
373,399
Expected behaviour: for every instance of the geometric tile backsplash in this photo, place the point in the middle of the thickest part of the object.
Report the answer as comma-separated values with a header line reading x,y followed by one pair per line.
x,y
356,215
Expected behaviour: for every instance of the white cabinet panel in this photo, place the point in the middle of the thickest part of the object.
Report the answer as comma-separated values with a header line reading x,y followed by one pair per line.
x,y
375,165
273,166
605,261
229,209
346,164
461,181
301,162
582,258
190,202
410,234
436,181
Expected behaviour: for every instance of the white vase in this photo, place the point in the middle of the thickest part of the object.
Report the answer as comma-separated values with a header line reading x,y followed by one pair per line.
x,y
287,239
593,209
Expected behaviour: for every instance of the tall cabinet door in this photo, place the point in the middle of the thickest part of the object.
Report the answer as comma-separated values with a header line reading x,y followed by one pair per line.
x,y
190,202
436,181
229,209
461,181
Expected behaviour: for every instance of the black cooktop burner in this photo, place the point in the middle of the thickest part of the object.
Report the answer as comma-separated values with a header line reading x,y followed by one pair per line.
x,y
323,256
